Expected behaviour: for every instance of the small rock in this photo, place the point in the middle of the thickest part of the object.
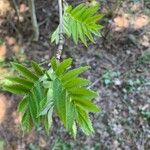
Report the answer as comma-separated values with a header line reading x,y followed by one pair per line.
x,y
42,142
46,57
117,82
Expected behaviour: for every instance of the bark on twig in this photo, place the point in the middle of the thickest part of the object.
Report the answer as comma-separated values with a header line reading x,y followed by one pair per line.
x,y
61,39
34,20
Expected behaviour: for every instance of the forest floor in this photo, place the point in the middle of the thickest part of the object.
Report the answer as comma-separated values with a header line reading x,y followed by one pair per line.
x,y
120,72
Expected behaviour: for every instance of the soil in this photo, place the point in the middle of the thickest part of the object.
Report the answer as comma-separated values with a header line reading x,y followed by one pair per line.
x,y
120,72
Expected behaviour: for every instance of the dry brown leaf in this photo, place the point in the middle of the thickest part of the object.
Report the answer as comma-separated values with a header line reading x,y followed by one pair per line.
x,y
16,117
16,48
4,7
145,41
140,21
42,142
3,107
23,8
10,41
2,51
121,22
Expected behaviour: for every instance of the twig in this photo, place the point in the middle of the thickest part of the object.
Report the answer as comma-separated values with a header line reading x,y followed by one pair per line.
x,y
15,28
34,20
61,39
142,3
44,21
16,8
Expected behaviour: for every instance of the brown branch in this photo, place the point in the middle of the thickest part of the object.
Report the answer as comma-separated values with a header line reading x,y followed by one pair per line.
x,y
34,20
61,38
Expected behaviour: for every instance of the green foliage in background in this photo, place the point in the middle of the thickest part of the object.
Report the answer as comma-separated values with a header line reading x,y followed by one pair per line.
x,y
146,114
58,90
2,143
80,23
145,57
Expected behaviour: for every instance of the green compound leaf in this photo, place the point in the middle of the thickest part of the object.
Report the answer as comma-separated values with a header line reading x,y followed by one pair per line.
x,y
84,121
23,105
59,90
25,71
16,89
38,70
26,83
71,98
73,74
76,82
63,66
80,23
29,85
86,105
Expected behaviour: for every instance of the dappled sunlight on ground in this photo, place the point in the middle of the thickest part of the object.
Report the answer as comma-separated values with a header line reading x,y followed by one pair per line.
x,y
13,45
130,21
4,7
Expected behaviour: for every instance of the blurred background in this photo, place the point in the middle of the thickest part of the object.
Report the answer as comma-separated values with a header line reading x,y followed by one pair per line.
x,y
120,72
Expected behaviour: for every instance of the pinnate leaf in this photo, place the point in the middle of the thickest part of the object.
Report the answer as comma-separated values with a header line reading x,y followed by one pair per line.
x,y
24,71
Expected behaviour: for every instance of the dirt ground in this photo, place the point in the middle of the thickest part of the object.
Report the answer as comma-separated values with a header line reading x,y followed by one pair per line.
x,y
120,72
